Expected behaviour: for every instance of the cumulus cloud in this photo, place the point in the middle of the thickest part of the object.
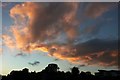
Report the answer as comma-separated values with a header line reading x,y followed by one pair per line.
x,y
47,19
38,25
41,23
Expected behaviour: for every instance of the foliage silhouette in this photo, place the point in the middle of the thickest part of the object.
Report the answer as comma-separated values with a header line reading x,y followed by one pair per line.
x,y
51,72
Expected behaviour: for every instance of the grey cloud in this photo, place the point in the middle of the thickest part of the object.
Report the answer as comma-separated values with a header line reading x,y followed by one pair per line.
x,y
35,63
51,20
96,45
96,9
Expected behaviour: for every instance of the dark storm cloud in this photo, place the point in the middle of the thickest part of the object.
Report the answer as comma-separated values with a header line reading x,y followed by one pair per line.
x,y
96,45
99,51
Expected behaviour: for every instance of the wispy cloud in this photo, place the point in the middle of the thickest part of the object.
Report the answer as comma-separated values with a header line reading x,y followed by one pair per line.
x,y
35,63
96,9
20,54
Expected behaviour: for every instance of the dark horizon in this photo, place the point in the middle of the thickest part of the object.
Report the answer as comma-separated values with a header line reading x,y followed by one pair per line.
x,y
61,70
51,72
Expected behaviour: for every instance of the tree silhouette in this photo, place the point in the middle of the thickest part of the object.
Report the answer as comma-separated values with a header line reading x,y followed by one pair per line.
x,y
52,68
51,72
75,70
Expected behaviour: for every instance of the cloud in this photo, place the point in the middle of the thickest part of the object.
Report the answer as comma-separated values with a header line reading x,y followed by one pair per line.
x,y
47,19
103,53
40,24
35,63
92,52
96,9
44,22
1,51
82,65
20,54
96,45
8,41
56,59
4,4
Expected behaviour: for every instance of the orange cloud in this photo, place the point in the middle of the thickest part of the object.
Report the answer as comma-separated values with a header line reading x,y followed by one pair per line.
x,y
97,9
8,41
34,25
37,25
1,51
114,53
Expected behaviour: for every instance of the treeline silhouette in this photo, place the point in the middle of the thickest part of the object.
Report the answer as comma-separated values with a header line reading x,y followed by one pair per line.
x,y
51,72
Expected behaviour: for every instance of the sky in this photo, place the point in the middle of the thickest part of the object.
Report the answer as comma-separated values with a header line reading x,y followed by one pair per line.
x,y
0,39
61,0
79,34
